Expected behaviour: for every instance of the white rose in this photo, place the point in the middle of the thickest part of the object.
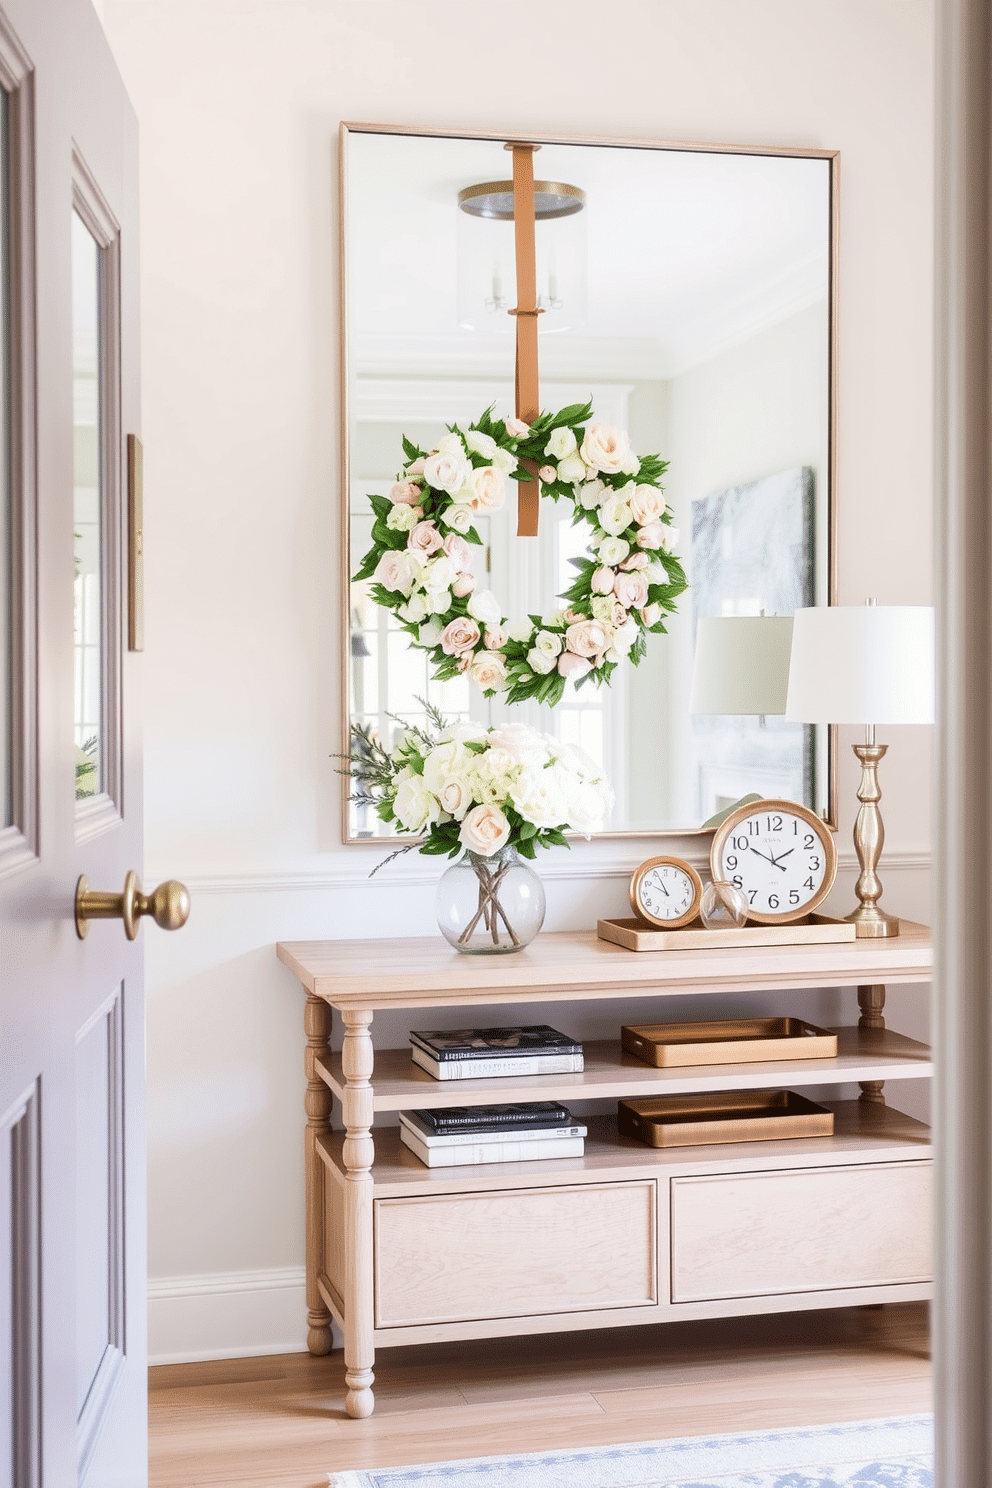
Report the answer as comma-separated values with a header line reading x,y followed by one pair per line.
x,y
602,608
548,642
484,607
614,516
612,551
484,830
430,633
605,448
521,631
394,571
588,805
440,572
493,773
403,518
445,762
562,442
624,637
482,444
591,494
438,601
488,671
458,517
416,807
670,536
555,619
504,461
651,614
630,464
541,662
447,471
526,745
538,797
455,798
655,572
571,470
517,428
414,610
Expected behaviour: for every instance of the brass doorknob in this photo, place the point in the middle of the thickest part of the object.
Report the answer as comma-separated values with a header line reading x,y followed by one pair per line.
x,y
168,905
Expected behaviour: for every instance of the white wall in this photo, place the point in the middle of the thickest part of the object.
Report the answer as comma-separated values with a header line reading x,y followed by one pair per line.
x,y
239,103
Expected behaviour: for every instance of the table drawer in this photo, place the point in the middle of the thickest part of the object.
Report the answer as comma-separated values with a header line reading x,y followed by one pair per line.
x,y
515,1253
800,1230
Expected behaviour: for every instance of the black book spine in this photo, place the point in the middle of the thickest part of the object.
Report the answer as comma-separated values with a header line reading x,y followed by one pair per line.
x,y
487,1123
533,1051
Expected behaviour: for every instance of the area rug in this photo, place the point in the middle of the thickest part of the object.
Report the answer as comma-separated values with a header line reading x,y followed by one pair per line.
x,y
895,1453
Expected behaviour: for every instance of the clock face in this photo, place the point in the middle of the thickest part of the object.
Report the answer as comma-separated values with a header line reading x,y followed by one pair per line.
x,y
665,892
780,855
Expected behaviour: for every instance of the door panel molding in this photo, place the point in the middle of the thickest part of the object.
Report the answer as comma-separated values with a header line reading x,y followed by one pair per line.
x,y
19,842
20,1292
106,1122
100,812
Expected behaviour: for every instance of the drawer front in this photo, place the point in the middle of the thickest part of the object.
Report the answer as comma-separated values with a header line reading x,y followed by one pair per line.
x,y
515,1253
802,1230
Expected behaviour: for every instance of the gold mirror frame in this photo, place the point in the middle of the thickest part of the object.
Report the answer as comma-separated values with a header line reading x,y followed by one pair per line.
x,y
831,157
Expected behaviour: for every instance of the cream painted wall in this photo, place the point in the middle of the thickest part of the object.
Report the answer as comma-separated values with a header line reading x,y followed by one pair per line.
x,y
239,103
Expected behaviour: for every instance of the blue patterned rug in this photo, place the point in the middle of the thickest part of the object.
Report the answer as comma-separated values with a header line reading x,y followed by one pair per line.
x,y
896,1453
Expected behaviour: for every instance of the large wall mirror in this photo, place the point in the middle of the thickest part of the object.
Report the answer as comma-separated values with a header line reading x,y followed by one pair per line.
x,y
691,298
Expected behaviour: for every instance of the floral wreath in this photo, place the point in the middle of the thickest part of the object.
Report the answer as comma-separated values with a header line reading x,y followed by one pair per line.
x,y
421,559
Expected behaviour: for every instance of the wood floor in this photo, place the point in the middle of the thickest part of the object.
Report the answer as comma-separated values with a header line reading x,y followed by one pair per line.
x,y
279,1422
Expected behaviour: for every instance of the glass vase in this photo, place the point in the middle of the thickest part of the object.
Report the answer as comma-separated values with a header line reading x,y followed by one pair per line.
x,y
488,906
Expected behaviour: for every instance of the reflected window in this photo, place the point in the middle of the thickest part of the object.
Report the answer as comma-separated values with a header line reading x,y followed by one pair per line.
x,y
88,534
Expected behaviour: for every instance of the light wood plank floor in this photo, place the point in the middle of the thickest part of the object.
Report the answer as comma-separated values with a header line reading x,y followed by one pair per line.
x,y
279,1422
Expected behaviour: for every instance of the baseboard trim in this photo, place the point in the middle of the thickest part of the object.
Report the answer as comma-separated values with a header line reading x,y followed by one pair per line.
x,y
226,1315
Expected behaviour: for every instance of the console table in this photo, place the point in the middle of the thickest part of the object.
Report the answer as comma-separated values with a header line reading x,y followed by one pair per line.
x,y
399,1253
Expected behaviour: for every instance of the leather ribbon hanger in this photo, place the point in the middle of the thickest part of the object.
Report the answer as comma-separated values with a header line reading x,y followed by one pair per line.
x,y
527,395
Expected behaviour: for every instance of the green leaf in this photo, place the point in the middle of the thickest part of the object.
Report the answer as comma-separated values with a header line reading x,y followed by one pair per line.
x,y
410,450
525,847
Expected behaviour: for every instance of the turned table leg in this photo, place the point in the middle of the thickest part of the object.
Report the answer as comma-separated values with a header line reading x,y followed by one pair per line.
x,y
359,1151
317,1023
871,1001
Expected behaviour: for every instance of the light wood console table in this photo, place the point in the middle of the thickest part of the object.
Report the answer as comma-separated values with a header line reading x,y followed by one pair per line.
x,y
399,1253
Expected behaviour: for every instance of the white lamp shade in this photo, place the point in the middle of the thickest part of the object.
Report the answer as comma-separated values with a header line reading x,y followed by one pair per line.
x,y
862,664
741,664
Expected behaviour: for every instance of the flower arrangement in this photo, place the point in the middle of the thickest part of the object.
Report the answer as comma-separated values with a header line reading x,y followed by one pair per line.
x,y
421,558
479,789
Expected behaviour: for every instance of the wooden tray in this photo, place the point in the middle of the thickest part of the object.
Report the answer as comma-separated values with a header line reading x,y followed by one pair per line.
x,y
635,935
728,1041
723,1116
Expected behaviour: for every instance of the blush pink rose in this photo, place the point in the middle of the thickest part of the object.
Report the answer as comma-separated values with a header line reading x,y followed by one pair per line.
x,y
602,581
631,589
586,638
485,829
417,468
574,617
652,536
605,448
463,585
635,561
517,428
488,487
548,473
651,614
570,665
647,504
495,637
458,551
459,635
425,538
405,493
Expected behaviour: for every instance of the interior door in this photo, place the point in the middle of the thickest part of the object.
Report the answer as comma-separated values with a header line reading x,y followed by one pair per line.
x,y
72,1183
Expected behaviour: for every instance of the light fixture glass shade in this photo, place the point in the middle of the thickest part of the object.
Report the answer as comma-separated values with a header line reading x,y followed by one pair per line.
x,y
487,275
862,664
741,664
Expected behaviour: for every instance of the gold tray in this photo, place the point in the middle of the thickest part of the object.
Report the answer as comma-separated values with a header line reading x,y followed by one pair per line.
x,y
728,1041
635,935
723,1116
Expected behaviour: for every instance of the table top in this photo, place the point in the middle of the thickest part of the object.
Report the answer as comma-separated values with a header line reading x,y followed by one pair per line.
x,y
575,965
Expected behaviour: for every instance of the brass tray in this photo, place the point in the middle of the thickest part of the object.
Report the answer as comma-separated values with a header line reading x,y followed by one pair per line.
x,y
635,935
728,1041
723,1116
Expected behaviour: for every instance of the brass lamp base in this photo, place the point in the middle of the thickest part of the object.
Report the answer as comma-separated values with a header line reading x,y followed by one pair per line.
x,y
870,922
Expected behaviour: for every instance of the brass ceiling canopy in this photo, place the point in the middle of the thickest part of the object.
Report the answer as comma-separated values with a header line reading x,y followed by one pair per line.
x,y
494,199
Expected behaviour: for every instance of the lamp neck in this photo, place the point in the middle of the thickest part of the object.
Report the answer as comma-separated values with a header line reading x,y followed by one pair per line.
x,y
870,734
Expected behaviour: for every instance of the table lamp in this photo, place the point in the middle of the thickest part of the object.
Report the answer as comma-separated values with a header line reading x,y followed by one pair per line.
x,y
866,665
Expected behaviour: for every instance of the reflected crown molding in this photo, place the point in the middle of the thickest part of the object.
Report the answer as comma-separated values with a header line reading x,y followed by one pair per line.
x,y
408,400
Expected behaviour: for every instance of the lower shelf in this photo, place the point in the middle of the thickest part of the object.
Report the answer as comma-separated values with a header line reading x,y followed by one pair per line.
x,y
862,1133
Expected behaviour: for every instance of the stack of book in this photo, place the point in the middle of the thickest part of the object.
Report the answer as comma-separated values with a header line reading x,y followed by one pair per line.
x,y
480,1053
459,1135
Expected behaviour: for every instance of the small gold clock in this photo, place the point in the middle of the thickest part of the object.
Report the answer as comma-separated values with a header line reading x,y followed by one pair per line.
x,y
665,892
780,855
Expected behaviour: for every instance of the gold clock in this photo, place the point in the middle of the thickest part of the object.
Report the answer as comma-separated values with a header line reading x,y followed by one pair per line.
x,y
665,892
780,855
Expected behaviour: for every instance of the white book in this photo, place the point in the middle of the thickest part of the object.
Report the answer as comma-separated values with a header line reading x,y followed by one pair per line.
x,y
489,1152
490,1068
503,1134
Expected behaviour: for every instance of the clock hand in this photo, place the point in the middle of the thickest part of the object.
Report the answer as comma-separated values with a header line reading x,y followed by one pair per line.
x,y
767,858
663,889
778,861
